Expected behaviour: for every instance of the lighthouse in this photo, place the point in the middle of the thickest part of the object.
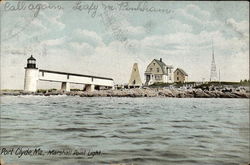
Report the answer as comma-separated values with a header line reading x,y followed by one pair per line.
x,y
31,75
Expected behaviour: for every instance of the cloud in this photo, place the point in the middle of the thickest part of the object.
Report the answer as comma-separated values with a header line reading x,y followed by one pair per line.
x,y
82,48
188,17
197,12
36,23
87,36
120,28
54,42
52,19
241,27
131,29
235,67
199,19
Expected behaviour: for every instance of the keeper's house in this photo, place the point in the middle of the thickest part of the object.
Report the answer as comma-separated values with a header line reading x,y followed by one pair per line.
x,y
157,71
180,75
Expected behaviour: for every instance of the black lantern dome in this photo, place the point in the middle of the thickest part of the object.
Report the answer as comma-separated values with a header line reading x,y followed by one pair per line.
x,y
31,62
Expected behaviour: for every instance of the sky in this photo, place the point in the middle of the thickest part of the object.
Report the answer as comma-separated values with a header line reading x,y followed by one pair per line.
x,y
107,38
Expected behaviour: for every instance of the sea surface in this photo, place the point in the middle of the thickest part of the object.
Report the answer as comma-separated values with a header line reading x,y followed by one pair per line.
x,y
127,131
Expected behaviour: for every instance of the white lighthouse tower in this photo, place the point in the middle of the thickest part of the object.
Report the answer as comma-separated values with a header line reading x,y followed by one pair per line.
x,y
31,75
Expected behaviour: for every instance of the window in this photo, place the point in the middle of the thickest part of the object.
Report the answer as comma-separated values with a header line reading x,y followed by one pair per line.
x,y
134,69
177,73
151,69
42,73
68,76
158,77
31,61
158,70
154,63
177,78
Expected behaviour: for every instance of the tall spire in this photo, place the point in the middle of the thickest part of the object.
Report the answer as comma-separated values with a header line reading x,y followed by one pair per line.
x,y
213,74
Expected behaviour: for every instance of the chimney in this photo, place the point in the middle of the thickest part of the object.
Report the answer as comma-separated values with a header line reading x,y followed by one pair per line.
x,y
160,59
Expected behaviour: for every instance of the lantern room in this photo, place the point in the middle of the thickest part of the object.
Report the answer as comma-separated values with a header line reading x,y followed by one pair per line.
x,y
31,62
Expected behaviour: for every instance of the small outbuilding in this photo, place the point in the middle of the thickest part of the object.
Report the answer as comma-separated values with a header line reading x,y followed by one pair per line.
x,y
180,75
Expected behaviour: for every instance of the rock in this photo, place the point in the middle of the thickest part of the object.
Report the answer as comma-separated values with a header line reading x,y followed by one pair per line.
x,y
241,94
200,94
145,92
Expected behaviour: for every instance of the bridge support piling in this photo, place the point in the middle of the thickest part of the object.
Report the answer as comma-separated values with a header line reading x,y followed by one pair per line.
x,y
90,87
65,86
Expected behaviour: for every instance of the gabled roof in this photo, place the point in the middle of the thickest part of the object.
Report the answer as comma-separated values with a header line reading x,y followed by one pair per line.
x,y
162,65
182,71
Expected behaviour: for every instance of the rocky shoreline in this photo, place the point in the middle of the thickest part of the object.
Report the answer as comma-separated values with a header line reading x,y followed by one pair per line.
x,y
149,92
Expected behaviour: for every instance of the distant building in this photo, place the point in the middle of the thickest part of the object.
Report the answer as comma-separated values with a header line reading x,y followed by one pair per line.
x,y
158,71
135,79
180,75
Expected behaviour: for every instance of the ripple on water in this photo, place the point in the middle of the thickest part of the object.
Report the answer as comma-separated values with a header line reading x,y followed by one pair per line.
x,y
72,129
141,131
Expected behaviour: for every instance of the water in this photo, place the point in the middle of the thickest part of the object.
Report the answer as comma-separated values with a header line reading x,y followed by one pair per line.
x,y
138,131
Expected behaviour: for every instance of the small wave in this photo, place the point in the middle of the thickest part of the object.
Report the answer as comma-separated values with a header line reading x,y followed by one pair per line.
x,y
105,123
93,136
213,126
146,160
181,126
98,113
201,146
201,136
148,128
171,154
122,137
7,118
142,143
179,121
73,129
